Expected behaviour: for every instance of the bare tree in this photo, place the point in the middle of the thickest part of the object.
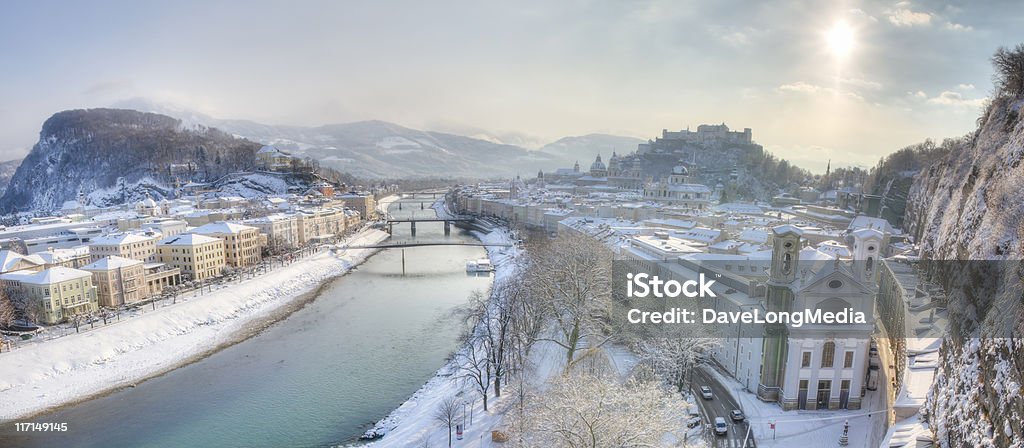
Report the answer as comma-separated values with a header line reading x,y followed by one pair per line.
x,y
446,414
8,313
571,277
1009,70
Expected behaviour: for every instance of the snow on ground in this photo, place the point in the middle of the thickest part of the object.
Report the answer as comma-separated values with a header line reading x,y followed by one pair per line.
x,y
413,422
805,428
40,376
385,202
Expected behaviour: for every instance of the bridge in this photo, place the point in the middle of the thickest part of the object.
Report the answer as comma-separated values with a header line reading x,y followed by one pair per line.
x,y
390,222
401,245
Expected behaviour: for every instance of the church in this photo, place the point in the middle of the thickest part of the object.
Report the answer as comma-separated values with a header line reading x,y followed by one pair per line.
x,y
677,190
819,365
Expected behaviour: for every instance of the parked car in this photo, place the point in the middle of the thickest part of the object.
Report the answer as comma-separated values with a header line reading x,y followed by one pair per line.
x,y
737,415
721,428
693,422
705,392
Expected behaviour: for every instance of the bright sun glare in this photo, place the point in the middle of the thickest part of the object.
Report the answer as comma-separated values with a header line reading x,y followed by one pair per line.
x,y
840,39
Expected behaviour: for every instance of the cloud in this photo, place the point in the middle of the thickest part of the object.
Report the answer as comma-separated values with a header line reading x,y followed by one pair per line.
x,y
804,88
955,99
965,87
908,18
856,12
862,83
736,37
958,27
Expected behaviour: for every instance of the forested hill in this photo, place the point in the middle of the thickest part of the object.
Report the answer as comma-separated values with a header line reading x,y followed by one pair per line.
x,y
119,153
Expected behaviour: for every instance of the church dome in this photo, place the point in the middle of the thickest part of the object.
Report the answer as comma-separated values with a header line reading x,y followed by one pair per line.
x,y
598,164
680,169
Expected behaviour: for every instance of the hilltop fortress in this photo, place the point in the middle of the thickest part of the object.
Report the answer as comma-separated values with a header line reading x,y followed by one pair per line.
x,y
706,134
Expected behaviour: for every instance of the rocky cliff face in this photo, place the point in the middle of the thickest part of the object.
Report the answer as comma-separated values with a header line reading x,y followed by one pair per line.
x,y
970,206
117,155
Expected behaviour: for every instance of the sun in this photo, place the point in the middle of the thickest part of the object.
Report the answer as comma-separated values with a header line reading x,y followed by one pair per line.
x,y
840,40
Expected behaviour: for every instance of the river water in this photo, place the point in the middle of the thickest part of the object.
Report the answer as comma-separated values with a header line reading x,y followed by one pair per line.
x,y
319,377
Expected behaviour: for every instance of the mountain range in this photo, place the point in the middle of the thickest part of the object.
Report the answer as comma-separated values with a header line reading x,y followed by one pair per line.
x,y
378,149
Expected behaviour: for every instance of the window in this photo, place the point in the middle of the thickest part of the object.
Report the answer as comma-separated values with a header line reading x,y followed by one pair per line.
x,y
806,362
848,360
828,354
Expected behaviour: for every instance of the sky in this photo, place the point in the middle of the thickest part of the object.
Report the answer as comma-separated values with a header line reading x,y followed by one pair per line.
x,y
846,81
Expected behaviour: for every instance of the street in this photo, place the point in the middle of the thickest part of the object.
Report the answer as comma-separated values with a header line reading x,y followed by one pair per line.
x,y
719,406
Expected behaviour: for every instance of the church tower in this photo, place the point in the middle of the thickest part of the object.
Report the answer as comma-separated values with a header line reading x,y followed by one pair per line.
x,y
867,247
781,275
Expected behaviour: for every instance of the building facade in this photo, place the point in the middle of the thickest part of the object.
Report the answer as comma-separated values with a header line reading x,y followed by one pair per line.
x,y
56,294
241,242
199,257
119,281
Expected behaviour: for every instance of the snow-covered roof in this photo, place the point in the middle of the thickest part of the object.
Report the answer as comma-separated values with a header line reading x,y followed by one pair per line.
x,y
9,259
187,239
118,239
56,274
109,263
788,228
222,227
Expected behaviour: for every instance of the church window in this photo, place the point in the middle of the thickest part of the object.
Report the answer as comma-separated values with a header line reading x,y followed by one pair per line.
x,y
806,361
828,354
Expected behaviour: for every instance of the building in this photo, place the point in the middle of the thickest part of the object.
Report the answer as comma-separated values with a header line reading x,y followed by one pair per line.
x,y
362,203
56,293
199,257
12,261
273,159
706,135
165,227
320,224
160,276
677,190
818,366
282,230
241,242
119,281
75,257
128,245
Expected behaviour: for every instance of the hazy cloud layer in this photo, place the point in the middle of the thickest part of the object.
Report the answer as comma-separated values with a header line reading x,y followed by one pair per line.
x,y
526,71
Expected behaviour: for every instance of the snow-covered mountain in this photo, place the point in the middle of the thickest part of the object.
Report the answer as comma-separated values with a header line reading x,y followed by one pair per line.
x,y
377,149
116,156
969,206
7,170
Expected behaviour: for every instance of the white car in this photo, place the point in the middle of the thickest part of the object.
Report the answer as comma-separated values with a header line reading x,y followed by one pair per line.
x,y
705,392
721,428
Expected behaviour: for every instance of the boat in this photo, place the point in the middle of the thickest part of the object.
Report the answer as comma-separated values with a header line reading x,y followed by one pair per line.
x,y
479,265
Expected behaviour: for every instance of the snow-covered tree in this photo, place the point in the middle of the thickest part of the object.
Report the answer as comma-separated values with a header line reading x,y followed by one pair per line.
x,y
674,352
571,278
446,414
580,410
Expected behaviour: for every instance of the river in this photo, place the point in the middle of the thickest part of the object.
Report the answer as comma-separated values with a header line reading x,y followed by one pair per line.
x,y
319,377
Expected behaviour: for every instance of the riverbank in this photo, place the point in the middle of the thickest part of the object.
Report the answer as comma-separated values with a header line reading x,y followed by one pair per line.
x,y
413,420
77,367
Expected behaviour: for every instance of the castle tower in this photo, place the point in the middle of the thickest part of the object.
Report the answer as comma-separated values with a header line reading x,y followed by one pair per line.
x,y
781,275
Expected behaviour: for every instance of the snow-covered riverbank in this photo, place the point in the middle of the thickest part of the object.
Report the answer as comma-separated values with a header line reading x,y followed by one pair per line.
x,y
65,370
413,421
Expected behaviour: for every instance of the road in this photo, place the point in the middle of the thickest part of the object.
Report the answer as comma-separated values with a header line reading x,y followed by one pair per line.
x,y
719,406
